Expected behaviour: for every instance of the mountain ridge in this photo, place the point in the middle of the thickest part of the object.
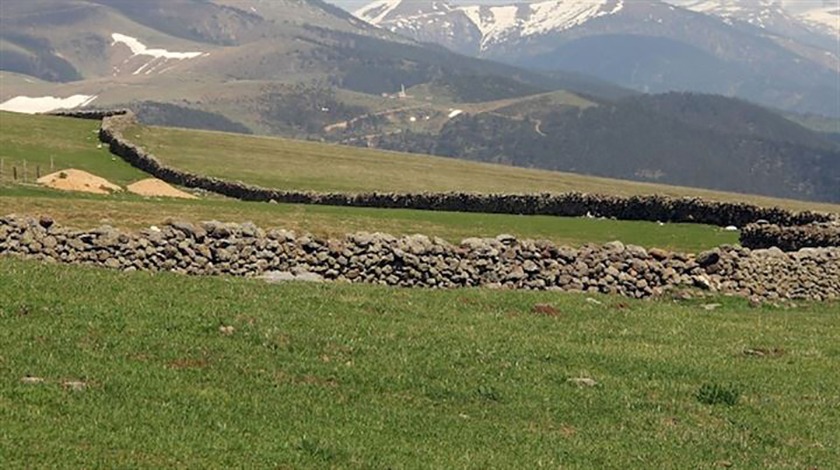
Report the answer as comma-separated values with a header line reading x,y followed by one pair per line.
x,y
675,138
248,66
767,54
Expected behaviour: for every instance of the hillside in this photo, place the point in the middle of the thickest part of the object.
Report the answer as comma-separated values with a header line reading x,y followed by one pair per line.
x,y
683,139
234,58
282,163
755,50
304,165
69,143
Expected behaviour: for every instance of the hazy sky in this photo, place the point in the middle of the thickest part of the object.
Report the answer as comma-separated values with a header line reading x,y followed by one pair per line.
x,y
792,4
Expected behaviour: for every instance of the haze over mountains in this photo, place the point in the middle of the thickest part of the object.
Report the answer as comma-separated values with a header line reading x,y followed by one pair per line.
x,y
307,69
753,49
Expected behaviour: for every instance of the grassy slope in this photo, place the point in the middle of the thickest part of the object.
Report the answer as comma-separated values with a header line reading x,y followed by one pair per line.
x,y
66,143
133,212
367,377
290,164
71,143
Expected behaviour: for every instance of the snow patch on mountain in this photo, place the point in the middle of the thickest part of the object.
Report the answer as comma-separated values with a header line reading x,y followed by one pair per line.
x,y
138,48
44,104
826,19
376,12
564,14
495,23
159,57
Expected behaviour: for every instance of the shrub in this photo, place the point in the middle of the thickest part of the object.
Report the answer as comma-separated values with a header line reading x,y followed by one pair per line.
x,y
716,394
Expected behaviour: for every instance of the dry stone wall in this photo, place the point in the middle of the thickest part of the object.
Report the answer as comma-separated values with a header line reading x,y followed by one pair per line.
x,y
790,238
213,248
778,227
652,208
93,114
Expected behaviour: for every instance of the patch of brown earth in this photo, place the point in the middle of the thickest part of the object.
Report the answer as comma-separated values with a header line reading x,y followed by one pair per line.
x,y
545,309
78,180
153,187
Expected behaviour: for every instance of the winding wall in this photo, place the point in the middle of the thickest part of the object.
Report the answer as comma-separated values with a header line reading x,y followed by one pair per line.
x,y
418,261
650,208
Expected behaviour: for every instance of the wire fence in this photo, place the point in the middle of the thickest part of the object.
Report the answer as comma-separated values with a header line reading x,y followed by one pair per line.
x,y
23,171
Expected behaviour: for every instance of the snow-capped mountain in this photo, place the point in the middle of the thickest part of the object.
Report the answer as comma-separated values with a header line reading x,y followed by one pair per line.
x,y
826,18
754,49
761,13
531,19
430,21
772,16
476,28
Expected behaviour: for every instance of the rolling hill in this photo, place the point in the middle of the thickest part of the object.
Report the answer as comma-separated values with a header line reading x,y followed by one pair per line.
x,y
304,69
64,143
683,139
228,57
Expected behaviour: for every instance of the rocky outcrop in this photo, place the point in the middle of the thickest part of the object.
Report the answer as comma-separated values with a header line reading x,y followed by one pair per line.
x,y
790,238
214,248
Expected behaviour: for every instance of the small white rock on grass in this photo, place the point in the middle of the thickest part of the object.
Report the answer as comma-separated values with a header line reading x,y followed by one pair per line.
x,y
583,381
74,385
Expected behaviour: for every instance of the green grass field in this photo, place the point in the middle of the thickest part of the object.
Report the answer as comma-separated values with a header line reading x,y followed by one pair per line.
x,y
301,165
53,144
341,376
70,143
108,369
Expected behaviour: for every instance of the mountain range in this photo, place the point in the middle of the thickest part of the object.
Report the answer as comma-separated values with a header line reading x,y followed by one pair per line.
x,y
225,56
752,49
307,69
685,139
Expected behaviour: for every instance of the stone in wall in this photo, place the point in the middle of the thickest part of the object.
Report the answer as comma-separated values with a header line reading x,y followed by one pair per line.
x,y
215,248
791,238
650,208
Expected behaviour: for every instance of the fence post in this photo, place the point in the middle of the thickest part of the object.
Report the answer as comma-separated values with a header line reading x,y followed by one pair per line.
x,y
24,171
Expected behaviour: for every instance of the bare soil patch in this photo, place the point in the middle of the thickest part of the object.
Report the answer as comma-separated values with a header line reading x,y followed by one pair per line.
x,y
78,180
152,187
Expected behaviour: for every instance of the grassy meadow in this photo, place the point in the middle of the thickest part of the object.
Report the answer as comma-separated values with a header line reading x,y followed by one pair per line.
x,y
71,143
107,369
300,165
103,369
54,144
